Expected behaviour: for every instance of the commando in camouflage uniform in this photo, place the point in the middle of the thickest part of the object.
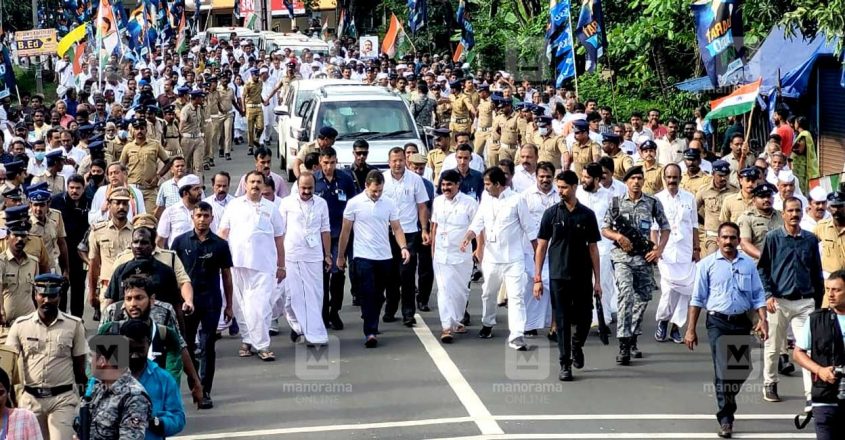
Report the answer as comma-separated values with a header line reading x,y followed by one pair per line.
x,y
120,412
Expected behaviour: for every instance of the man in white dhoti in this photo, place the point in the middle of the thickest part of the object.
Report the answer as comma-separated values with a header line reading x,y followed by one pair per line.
x,y
307,255
452,213
504,218
539,198
250,224
596,197
677,266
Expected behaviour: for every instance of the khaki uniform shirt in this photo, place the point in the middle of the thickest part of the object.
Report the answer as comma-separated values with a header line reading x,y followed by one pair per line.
x,y
653,178
709,201
522,126
142,161
461,109
252,93
734,206
47,352
832,242
551,149
485,113
17,284
307,149
506,130
754,225
107,242
621,163
474,98
584,154
171,138
34,247
694,183
736,167
165,256
435,162
227,97
112,150
50,232
55,183
191,120
212,104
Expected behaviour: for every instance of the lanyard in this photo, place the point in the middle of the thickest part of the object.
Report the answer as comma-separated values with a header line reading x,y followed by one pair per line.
x,y
307,215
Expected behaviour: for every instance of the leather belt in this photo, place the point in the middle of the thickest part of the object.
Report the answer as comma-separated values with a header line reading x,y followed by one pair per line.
x,y
484,128
723,316
48,392
796,297
192,136
460,120
254,105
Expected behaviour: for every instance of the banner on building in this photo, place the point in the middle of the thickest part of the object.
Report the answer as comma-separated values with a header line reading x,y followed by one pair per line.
x,y
719,31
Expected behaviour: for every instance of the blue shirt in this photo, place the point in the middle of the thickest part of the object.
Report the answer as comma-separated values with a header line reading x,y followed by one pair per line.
x,y
166,400
472,185
790,266
336,193
729,287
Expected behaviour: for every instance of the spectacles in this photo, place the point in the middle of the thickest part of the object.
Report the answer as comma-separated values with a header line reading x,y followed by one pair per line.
x,y
362,153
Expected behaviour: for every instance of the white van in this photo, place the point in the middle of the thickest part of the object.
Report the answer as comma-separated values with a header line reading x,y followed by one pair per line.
x,y
273,41
375,114
224,33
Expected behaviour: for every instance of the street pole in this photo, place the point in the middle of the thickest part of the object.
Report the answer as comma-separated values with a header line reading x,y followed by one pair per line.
x,y
39,87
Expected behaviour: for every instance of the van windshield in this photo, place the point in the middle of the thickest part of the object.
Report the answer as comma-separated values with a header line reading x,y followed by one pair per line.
x,y
358,117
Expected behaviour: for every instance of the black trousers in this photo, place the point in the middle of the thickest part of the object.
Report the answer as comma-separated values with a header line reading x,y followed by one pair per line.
x,y
425,271
573,306
402,278
370,282
830,421
206,361
76,275
333,284
729,340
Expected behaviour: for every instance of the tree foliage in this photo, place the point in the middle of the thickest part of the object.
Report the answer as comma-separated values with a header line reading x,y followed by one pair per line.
x,y
818,16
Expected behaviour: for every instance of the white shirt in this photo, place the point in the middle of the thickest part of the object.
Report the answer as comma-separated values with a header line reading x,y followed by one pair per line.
x,y
506,222
523,179
538,202
175,220
453,218
808,223
33,168
253,227
99,200
451,162
643,135
405,193
371,220
218,208
778,201
599,203
617,188
305,222
676,262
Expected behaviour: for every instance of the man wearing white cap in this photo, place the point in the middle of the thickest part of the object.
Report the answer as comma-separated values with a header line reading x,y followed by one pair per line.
x,y
786,188
816,211
308,246
177,218
381,79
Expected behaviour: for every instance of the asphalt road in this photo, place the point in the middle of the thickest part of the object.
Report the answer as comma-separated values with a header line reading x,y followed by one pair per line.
x,y
413,387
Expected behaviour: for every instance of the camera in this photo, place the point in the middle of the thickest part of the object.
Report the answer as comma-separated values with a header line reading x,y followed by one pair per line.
x,y
839,372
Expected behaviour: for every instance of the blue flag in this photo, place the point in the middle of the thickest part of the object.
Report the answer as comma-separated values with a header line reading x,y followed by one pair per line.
x,y
417,13
719,30
289,6
8,74
590,32
467,34
560,42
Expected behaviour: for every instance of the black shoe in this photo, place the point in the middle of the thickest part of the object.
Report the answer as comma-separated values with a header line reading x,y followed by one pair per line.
x,y
565,374
409,322
578,357
228,156
294,336
770,393
335,321
220,154
476,276
726,430
531,334
624,356
552,335
206,402
387,318
206,167
503,303
485,332
423,307
784,366
635,352
371,342
466,321
249,152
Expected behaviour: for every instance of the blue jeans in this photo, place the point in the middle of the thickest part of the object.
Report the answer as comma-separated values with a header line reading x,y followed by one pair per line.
x,y
728,380
830,421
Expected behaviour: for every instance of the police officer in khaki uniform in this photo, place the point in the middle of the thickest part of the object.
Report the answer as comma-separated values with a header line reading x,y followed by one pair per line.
x,y
18,217
18,270
709,200
170,132
462,109
443,110
106,241
583,150
831,234
254,109
55,181
736,204
182,98
622,162
652,170
325,139
142,157
505,134
471,92
191,122
52,349
756,222
551,146
438,153
694,178
227,104
485,119
48,224
213,123
154,124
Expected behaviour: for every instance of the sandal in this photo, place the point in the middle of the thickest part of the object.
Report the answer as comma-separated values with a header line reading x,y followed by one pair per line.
x,y
460,329
266,355
446,337
245,351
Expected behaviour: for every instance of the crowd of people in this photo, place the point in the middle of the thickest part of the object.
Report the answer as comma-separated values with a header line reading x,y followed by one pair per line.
x,y
561,207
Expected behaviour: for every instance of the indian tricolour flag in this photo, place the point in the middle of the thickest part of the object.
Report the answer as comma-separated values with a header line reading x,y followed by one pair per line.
x,y
395,41
251,21
739,102
829,183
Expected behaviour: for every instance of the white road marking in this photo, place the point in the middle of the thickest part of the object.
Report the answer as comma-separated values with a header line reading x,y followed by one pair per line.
x,y
469,399
630,435
540,417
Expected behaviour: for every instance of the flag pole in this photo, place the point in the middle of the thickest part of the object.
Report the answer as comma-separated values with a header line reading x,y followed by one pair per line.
x,y
574,67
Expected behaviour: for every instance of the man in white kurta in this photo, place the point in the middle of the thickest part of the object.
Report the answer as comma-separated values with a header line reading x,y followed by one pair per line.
x,y
452,213
596,197
252,225
504,218
539,198
307,252
677,265
177,219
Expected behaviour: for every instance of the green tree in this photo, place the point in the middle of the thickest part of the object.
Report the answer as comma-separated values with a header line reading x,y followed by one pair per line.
x,y
812,17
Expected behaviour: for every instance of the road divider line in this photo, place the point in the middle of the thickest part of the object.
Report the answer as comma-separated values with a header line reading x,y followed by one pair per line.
x,y
541,417
468,397
631,435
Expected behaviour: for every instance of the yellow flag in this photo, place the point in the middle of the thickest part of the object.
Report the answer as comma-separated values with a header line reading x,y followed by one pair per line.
x,y
72,37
